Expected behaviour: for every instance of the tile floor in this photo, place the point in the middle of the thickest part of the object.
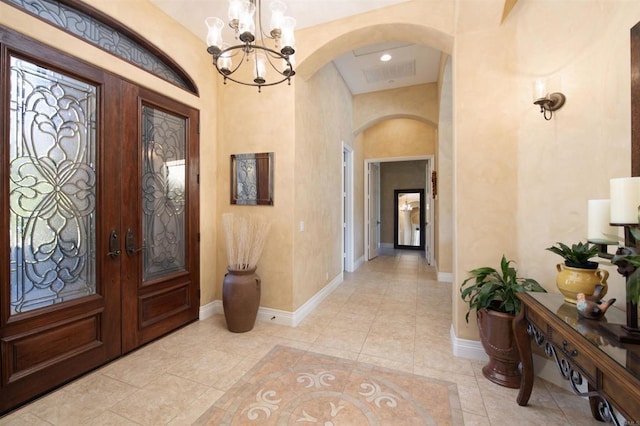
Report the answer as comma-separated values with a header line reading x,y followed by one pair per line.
x,y
390,312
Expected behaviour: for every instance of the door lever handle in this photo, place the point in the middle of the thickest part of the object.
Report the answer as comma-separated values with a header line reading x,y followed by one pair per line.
x,y
114,247
129,243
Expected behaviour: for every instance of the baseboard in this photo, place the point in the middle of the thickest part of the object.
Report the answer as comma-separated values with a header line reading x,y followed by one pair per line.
x,y
301,313
445,277
387,245
210,309
276,316
465,348
358,263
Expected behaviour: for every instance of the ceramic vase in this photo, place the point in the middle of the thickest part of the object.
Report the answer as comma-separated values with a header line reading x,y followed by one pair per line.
x,y
241,299
498,341
572,281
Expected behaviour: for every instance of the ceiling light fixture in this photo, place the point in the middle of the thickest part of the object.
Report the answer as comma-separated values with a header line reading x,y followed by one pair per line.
x,y
385,58
250,46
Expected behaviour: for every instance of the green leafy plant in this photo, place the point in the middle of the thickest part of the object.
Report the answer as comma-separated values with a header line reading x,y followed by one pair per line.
x,y
496,290
578,255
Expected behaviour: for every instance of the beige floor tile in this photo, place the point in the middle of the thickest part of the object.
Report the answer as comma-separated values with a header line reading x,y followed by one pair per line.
x,y
390,313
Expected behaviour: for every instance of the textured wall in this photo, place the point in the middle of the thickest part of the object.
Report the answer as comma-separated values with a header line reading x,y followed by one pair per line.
x,y
522,183
323,124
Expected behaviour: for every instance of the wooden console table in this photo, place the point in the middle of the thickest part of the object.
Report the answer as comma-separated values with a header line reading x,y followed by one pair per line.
x,y
584,352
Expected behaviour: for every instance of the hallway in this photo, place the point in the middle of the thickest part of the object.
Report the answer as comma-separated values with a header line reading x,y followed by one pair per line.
x,y
390,312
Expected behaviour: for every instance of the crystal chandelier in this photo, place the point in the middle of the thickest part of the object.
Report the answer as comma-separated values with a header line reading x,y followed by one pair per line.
x,y
250,47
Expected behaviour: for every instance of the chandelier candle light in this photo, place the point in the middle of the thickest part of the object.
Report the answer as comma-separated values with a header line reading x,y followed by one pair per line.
x,y
251,44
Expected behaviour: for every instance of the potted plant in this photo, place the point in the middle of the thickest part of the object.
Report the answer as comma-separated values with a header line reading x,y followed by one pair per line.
x,y
492,294
578,274
245,236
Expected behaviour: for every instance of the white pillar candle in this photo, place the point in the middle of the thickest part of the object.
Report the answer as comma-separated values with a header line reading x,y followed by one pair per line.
x,y
598,229
625,199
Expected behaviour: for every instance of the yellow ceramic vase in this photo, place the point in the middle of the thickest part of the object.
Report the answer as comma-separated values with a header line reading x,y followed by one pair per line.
x,y
572,281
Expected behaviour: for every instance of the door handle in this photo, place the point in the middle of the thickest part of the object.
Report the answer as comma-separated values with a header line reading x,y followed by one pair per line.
x,y
129,243
114,246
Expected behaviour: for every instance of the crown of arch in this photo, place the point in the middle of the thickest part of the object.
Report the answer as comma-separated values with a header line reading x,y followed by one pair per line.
x,y
376,33
382,118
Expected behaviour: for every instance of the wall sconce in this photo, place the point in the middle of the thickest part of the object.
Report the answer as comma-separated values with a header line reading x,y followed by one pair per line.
x,y
548,102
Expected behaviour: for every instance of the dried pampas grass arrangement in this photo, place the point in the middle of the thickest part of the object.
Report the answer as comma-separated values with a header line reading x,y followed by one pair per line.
x,y
245,236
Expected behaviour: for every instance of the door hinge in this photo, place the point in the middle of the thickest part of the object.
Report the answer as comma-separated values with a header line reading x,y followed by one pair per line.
x,y
198,178
198,237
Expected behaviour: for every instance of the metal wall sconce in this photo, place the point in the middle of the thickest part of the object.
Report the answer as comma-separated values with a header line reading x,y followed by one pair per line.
x,y
548,102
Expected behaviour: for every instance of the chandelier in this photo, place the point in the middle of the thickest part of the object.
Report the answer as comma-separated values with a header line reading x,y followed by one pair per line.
x,y
262,52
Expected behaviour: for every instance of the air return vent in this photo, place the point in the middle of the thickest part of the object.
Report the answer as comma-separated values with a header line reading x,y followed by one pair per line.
x,y
391,72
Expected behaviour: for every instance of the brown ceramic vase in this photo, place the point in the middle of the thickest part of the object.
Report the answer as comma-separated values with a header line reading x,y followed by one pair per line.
x,y
498,341
241,299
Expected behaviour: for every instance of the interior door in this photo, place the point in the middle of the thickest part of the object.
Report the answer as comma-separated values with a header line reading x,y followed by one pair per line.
x,y
60,286
374,209
160,224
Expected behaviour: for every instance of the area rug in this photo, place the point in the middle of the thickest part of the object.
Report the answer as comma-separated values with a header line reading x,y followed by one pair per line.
x,y
290,386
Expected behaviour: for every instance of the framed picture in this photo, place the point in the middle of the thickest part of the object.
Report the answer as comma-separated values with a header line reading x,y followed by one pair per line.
x,y
252,179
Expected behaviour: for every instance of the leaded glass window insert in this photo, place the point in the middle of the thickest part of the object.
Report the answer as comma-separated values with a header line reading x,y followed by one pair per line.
x,y
52,187
164,137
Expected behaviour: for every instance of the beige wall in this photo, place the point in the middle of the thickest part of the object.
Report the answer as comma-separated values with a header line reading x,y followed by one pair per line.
x,y
527,180
400,137
443,250
251,122
323,124
417,102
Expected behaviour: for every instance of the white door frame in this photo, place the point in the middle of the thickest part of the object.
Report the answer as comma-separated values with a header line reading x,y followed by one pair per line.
x,y
430,159
347,208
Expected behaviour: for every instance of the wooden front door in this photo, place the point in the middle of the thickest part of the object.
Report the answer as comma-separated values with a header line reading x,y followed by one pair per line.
x,y
73,183
160,224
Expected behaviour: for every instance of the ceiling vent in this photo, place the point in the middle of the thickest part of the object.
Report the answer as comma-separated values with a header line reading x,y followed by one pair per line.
x,y
391,72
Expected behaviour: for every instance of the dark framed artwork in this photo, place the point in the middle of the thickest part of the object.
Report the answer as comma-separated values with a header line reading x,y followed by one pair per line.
x,y
252,179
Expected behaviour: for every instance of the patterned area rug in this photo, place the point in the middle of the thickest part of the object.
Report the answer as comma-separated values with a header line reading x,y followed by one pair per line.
x,y
289,386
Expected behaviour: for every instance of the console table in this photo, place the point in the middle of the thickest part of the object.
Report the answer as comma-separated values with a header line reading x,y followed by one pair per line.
x,y
583,351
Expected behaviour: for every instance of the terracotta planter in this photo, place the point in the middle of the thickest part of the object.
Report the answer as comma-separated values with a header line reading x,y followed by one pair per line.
x,y
572,281
498,341
241,299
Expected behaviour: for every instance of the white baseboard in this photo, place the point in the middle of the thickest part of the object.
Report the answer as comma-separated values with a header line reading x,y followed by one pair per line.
x,y
358,263
210,309
291,319
387,245
308,307
445,277
465,348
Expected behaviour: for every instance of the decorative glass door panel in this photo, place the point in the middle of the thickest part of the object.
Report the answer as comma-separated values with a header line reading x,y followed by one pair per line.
x,y
60,288
52,189
163,193
161,283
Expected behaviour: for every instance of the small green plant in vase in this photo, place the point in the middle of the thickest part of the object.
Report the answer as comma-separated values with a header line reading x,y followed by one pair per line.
x,y
578,255
578,274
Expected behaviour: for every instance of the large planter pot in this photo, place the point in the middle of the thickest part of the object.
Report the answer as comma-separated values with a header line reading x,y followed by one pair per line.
x,y
498,341
572,281
241,299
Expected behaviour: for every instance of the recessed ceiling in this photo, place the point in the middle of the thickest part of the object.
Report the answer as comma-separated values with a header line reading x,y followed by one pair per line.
x,y
361,69
410,64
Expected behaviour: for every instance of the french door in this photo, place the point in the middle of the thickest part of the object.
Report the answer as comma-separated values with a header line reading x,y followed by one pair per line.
x,y
99,207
